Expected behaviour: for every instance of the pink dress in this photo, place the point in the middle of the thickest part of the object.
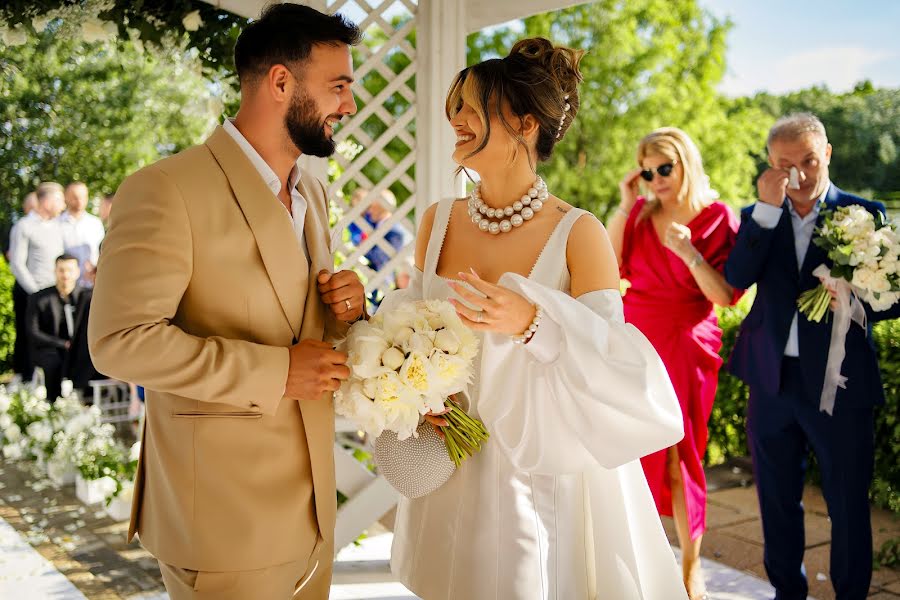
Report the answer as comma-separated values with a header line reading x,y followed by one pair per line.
x,y
666,304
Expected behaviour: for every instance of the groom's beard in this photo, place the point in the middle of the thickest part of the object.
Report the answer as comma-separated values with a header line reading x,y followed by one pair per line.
x,y
305,129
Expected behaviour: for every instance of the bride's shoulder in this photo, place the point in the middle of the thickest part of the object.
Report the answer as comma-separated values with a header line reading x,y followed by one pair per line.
x,y
586,226
426,225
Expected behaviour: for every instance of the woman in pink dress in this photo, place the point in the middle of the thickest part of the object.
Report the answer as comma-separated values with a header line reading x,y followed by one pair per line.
x,y
672,245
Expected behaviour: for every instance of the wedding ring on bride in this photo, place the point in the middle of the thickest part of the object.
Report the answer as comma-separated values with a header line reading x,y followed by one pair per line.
x,y
479,316
349,306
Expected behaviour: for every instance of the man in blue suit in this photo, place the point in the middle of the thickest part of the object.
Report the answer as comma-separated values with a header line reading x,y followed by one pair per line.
x,y
781,355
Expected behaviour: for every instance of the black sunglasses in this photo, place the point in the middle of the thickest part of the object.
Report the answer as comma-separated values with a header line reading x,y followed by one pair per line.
x,y
663,170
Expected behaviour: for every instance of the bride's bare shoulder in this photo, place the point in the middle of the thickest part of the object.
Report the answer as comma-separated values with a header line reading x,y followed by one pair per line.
x,y
424,235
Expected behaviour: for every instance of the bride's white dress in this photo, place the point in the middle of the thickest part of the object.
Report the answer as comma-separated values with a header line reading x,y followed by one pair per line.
x,y
555,506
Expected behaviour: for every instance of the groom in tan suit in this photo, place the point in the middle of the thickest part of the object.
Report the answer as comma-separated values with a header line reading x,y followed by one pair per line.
x,y
207,295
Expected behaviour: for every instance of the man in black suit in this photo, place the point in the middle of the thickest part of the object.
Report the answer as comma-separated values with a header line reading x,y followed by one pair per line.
x,y
57,325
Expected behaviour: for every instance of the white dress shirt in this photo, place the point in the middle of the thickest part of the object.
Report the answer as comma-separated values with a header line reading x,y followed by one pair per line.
x,y
35,246
81,239
298,202
767,217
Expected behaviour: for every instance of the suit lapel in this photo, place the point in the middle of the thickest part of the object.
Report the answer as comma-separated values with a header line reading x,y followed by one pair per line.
x,y
315,234
787,232
80,308
815,256
57,310
271,226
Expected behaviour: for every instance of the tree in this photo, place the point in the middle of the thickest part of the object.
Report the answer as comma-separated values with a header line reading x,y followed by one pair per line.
x,y
863,127
71,110
209,30
649,63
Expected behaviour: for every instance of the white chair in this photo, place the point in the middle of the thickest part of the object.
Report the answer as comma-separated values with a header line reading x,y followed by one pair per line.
x,y
113,398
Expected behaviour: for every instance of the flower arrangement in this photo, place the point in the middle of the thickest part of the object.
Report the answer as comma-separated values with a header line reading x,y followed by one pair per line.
x,y
406,363
68,438
864,252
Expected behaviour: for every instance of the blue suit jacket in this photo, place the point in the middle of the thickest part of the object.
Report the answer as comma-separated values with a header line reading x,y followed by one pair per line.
x,y
767,257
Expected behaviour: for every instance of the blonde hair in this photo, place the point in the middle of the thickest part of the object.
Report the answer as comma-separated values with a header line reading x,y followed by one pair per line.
x,y
677,146
48,188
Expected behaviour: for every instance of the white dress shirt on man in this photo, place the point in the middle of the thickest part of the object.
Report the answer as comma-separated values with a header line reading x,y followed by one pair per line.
x,y
36,244
767,217
81,239
298,202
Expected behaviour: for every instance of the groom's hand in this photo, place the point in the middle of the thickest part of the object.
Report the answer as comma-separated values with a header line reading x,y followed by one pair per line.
x,y
315,368
343,293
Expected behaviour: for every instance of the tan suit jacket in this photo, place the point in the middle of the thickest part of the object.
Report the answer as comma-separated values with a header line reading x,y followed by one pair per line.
x,y
202,286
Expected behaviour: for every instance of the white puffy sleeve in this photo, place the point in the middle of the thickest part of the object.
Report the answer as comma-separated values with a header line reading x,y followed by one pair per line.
x,y
587,390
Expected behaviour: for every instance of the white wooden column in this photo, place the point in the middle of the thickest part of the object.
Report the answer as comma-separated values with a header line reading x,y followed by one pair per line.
x,y
441,49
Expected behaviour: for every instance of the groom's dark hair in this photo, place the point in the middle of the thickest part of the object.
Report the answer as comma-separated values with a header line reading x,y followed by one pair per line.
x,y
284,34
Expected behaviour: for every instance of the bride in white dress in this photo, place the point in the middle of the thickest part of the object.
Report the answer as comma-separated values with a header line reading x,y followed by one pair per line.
x,y
555,506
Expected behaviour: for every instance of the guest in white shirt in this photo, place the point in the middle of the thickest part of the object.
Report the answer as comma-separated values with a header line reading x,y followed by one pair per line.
x,y
38,241
82,232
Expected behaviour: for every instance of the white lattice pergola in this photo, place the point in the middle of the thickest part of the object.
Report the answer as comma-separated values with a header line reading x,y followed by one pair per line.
x,y
401,134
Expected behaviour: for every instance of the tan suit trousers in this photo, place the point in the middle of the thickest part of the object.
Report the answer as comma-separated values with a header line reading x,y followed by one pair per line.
x,y
299,580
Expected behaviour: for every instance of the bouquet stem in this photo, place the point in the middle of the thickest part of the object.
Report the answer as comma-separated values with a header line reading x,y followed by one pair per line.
x,y
815,303
464,435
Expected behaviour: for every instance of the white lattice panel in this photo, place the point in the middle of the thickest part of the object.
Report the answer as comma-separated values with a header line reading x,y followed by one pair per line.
x,y
377,146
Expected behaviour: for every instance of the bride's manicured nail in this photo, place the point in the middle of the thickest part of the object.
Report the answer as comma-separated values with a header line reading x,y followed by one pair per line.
x,y
473,271
462,275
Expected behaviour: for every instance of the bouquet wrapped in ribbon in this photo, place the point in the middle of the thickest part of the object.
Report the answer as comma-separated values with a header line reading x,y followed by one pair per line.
x,y
864,252
406,363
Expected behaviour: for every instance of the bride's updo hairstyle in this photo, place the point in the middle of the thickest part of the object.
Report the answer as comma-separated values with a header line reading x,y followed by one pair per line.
x,y
537,79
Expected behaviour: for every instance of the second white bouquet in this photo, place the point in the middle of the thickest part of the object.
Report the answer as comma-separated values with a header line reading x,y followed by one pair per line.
x,y
406,363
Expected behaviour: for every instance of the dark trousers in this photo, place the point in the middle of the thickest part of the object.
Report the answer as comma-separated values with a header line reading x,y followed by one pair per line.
x,y
53,364
22,362
781,430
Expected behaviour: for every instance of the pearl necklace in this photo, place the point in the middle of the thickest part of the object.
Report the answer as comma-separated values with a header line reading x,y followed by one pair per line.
x,y
502,220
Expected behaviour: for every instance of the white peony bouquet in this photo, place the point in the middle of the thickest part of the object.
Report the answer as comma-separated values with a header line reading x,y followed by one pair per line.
x,y
864,253
406,363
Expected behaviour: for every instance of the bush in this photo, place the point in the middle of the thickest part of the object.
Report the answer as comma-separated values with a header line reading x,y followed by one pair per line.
x,y
727,422
885,490
7,318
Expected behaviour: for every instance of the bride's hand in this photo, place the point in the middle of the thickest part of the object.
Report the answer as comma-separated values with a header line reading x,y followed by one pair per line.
x,y
501,311
436,420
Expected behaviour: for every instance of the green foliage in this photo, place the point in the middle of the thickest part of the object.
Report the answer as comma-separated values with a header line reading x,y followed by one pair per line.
x,y
95,112
649,63
885,490
863,127
727,423
153,23
7,318
889,554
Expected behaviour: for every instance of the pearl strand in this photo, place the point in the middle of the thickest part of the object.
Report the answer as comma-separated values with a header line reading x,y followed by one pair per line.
x,y
511,216
532,328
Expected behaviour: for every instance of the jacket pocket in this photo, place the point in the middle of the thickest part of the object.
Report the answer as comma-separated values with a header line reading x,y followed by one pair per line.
x,y
200,414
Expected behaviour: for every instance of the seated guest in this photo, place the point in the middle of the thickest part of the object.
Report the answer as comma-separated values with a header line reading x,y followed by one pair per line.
x,y
57,325
376,214
377,257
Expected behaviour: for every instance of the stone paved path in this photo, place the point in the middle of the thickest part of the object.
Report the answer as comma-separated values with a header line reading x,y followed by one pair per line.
x,y
52,546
